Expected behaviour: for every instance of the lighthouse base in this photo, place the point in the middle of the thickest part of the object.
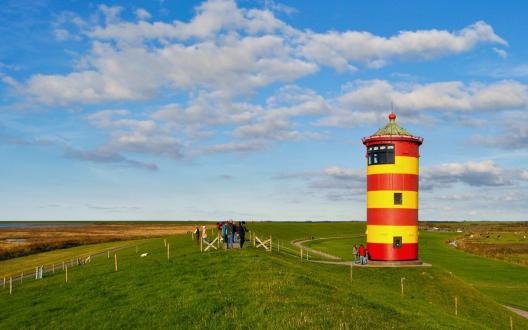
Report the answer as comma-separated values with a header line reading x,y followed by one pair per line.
x,y
397,263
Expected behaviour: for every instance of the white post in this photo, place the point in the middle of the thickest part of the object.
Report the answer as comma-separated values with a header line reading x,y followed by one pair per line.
x,y
351,271
168,251
401,284
301,255
115,261
456,306
66,274
108,253
10,285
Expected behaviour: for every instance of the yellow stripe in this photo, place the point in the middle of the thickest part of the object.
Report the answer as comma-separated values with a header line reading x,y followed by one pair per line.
x,y
385,234
402,165
385,199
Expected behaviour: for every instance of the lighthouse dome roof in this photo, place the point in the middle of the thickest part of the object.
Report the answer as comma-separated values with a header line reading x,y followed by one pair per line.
x,y
392,128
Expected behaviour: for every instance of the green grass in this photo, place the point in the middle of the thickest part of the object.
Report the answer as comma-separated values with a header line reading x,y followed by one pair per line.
x,y
248,288
28,263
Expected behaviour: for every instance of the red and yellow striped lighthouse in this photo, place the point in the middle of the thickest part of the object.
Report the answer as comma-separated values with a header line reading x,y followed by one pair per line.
x,y
392,193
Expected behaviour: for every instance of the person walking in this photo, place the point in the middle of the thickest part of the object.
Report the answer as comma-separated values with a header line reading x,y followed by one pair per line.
x,y
362,254
355,253
230,234
197,234
242,232
224,233
204,233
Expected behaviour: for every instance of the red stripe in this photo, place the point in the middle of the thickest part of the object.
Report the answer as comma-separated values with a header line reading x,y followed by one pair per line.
x,y
392,217
401,148
392,181
380,251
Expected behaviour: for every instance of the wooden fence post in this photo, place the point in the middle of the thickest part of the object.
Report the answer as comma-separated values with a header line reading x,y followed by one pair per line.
x,y
218,242
511,323
115,261
456,305
108,253
271,245
10,285
351,271
401,284
168,251
66,274
301,254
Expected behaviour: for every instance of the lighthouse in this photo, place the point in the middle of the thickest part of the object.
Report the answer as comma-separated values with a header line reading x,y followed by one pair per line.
x,y
392,193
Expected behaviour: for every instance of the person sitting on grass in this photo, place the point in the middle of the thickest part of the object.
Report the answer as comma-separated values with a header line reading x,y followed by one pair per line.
x,y
355,253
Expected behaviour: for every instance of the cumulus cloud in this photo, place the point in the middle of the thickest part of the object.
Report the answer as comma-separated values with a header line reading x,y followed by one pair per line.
x,y
500,52
142,14
339,181
367,101
484,173
226,48
337,49
106,156
513,134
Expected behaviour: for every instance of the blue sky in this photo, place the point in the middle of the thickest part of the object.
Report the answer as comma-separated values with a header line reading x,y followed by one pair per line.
x,y
256,109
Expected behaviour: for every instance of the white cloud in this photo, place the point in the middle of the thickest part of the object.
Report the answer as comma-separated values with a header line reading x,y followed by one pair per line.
x,y
143,14
483,173
368,101
500,52
337,49
222,48
513,134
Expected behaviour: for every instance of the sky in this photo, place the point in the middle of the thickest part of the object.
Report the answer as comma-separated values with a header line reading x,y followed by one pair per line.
x,y
255,110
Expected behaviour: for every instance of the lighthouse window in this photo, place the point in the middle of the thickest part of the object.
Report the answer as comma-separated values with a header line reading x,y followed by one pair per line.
x,y
381,154
398,199
397,242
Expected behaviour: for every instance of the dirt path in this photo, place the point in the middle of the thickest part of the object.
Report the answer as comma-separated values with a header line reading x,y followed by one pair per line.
x,y
338,261
299,244
518,311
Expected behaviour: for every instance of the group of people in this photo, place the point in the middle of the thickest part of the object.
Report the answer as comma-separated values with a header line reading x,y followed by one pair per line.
x,y
362,252
229,231
232,232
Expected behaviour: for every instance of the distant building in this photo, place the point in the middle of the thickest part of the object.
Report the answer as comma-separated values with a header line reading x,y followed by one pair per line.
x,y
392,193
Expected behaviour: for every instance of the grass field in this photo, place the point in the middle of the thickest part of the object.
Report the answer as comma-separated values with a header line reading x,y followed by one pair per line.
x,y
252,288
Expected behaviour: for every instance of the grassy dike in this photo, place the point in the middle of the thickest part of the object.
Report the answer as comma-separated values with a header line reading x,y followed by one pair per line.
x,y
245,289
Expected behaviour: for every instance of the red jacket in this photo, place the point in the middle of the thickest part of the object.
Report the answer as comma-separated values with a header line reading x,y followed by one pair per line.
x,y
362,251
